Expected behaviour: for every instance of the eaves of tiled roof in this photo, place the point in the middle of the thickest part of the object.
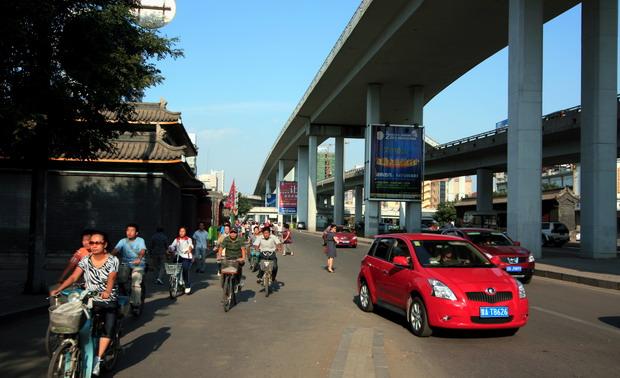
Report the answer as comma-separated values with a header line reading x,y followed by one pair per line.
x,y
149,113
143,151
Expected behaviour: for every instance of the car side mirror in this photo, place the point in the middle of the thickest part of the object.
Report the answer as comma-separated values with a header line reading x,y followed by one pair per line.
x,y
518,244
401,261
497,261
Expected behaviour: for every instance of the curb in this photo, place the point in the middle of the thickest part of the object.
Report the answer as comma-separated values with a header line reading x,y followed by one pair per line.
x,y
25,312
596,282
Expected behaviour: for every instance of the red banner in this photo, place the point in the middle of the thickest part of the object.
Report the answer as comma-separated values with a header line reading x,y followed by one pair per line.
x,y
231,200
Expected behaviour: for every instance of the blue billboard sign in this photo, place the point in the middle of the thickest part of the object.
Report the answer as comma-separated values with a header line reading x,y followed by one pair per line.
x,y
270,200
396,163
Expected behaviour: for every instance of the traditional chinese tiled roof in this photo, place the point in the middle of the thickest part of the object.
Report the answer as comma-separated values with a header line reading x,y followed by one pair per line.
x,y
150,112
143,151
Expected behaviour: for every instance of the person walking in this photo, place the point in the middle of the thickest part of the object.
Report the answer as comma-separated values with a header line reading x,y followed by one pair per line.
x,y
330,248
287,239
212,236
157,253
182,247
219,242
200,242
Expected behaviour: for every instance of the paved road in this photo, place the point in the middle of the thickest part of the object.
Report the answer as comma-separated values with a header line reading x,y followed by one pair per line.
x,y
311,327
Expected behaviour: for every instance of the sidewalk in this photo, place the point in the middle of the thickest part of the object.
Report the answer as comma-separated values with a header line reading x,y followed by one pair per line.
x,y
13,302
565,264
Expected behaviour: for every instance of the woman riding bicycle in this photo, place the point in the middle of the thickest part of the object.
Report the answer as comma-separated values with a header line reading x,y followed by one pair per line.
x,y
99,270
182,247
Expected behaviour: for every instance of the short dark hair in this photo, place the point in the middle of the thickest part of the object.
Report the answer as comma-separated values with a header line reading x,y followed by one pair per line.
x,y
134,225
87,232
203,223
103,234
160,229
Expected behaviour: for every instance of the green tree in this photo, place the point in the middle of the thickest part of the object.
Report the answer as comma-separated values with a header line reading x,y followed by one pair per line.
x,y
64,67
244,205
446,212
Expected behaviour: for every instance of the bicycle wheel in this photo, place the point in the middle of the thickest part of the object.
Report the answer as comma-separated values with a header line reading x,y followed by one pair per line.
x,y
174,287
52,341
62,364
267,283
114,350
228,289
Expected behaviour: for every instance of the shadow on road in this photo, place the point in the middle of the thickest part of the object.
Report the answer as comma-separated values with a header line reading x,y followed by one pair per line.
x,y
443,333
611,320
142,347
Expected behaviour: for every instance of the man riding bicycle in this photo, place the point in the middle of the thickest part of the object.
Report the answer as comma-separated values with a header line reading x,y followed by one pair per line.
x,y
132,251
267,245
233,248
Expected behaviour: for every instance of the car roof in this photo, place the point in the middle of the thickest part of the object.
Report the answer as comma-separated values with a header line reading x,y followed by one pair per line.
x,y
477,229
418,236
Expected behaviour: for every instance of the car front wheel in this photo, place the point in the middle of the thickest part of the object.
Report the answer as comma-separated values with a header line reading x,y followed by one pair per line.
x,y
418,319
365,300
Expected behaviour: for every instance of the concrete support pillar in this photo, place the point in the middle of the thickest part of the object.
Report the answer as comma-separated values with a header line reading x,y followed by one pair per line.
x,y
359,201
525,124
339,182
484,190
373,115
413,210
598,130
302,184
312,151
279,179
402,215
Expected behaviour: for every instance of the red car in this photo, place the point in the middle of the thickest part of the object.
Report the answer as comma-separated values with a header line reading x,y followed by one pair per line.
x,y
344,237
440,281
513,258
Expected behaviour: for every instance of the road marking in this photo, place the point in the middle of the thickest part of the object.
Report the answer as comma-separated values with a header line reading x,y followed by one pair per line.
x,y
360,354
577,320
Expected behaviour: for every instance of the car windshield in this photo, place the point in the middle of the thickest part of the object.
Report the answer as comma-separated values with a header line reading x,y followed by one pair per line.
x,y
342,229
449,254
489,238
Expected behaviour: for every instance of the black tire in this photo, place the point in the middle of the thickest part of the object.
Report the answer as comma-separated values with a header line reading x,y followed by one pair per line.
x,y
559,244
56,368
267,283
173,288
227,293
364,298
52,341
526,280
114,350
417,317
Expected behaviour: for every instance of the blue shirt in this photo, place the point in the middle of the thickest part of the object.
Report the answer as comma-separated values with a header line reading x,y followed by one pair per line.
x,y
201,237
130,251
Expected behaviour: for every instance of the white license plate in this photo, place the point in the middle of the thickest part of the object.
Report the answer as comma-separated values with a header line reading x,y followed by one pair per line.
x,y
345,242
494,312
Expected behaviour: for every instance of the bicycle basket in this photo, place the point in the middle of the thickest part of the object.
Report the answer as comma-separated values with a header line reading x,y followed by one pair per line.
x,y
229,267
66,318
266,265
173,269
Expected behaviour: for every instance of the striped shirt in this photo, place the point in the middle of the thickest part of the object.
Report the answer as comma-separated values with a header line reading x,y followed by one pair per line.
x,y
96,279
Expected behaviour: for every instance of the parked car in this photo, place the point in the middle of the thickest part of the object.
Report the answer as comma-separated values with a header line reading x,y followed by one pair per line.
x,y
345,237
514,259
440,281
301,226
554,234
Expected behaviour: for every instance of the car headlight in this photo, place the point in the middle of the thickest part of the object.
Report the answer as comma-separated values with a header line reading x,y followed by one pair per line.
x,y
531,258
521,288
354,238
440,290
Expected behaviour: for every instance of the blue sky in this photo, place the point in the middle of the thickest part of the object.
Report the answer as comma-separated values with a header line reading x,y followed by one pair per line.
x,y
247,63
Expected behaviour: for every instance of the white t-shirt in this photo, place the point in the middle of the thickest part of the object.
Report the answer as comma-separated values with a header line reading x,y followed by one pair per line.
x,y
267,245
182,247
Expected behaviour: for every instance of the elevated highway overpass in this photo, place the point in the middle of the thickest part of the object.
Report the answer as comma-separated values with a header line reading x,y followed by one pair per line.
x,y
487,151
395,56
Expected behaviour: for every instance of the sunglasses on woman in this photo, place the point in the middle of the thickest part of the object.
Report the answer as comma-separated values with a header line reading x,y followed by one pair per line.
x,y
96,242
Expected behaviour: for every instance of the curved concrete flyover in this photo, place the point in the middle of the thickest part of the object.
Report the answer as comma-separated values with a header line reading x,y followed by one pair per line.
x,y
561,145
398,43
